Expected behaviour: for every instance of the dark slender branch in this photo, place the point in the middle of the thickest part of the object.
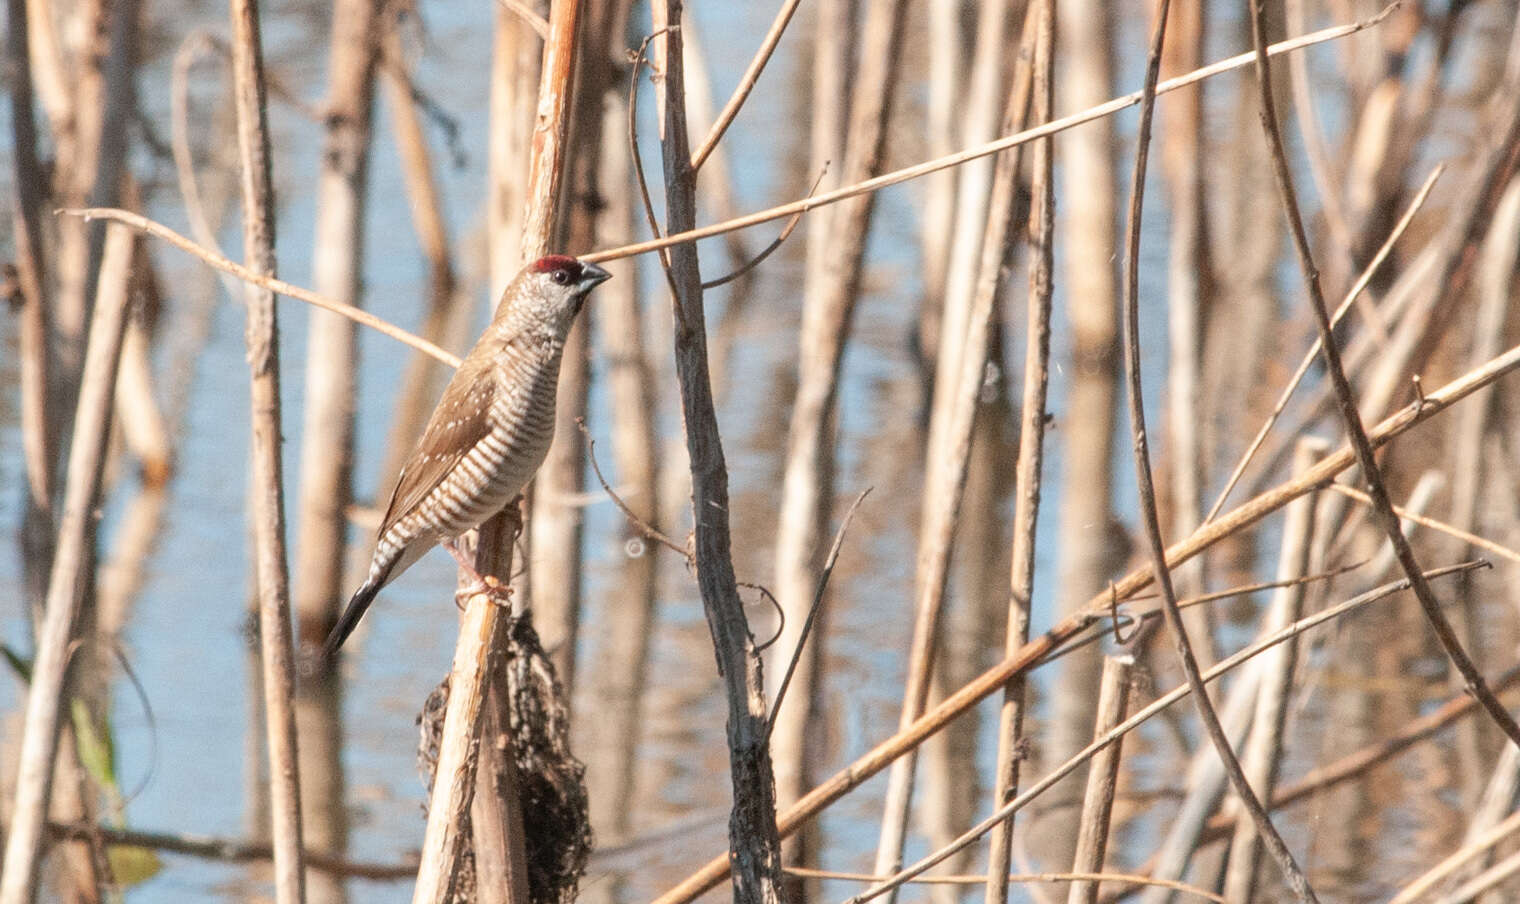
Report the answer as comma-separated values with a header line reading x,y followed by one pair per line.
x,y
753,836
1356,433
1147,490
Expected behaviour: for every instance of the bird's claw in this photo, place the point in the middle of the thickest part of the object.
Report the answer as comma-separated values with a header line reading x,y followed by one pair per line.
x,y
488,586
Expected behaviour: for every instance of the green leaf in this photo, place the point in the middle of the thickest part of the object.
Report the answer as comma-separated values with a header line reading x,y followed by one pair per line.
x,y
132,865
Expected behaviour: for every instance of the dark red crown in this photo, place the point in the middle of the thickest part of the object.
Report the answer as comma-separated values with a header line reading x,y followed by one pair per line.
x,y
557,262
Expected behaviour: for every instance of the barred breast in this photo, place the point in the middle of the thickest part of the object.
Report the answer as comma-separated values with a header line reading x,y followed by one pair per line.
x,y
492,473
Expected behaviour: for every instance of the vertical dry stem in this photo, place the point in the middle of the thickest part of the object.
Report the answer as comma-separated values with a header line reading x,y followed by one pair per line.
x,y
1040,26
266,491
1089,546
66,590
807,484
1147,491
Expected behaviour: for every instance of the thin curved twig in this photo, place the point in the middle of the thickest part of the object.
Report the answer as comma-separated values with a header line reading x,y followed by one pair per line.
x,y
1340,311
807,625
1146,490
746,85
142,224
1356,432
786,232
919,170
649,531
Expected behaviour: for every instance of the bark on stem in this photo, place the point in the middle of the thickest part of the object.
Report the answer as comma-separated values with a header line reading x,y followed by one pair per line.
x,y
752,826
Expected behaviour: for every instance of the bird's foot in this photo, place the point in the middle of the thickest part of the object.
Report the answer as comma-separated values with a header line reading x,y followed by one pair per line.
x,y
488,586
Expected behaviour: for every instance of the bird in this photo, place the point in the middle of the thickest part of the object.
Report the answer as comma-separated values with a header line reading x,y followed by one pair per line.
x,y
489,433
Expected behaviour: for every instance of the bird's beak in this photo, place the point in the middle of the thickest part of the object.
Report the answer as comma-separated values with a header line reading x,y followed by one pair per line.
x,y
593,276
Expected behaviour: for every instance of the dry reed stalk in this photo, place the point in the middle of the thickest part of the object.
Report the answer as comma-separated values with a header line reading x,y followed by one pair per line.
x,y
445,316
1264,749
978,248
496,819
812,202
870,111
943,87
622,671
752,825
1354,765
1102,779
266,496
327,431
66,589
516,57
995,678
862,106
807,484
38,433
1188,289
91,133
1309,357
1427,881
918,170
1410,344
1030,94
556,530
264,281
746,83
1346,401
1089,549
1036,651
1205,783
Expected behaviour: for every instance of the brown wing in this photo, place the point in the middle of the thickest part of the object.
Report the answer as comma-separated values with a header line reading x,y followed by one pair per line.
x,y
458,423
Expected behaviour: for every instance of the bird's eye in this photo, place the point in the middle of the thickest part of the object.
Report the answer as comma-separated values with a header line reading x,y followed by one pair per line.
x,y
561,277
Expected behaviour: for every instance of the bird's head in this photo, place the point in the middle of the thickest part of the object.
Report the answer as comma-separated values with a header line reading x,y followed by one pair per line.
x,y
551,290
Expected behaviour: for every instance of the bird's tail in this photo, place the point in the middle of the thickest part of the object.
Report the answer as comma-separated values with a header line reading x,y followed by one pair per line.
x,y
354,611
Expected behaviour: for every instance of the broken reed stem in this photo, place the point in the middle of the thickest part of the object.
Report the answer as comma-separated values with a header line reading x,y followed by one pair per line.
x,y
753,835
1356,433
1032,77
266,493
1297,883
67,582
1102,778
